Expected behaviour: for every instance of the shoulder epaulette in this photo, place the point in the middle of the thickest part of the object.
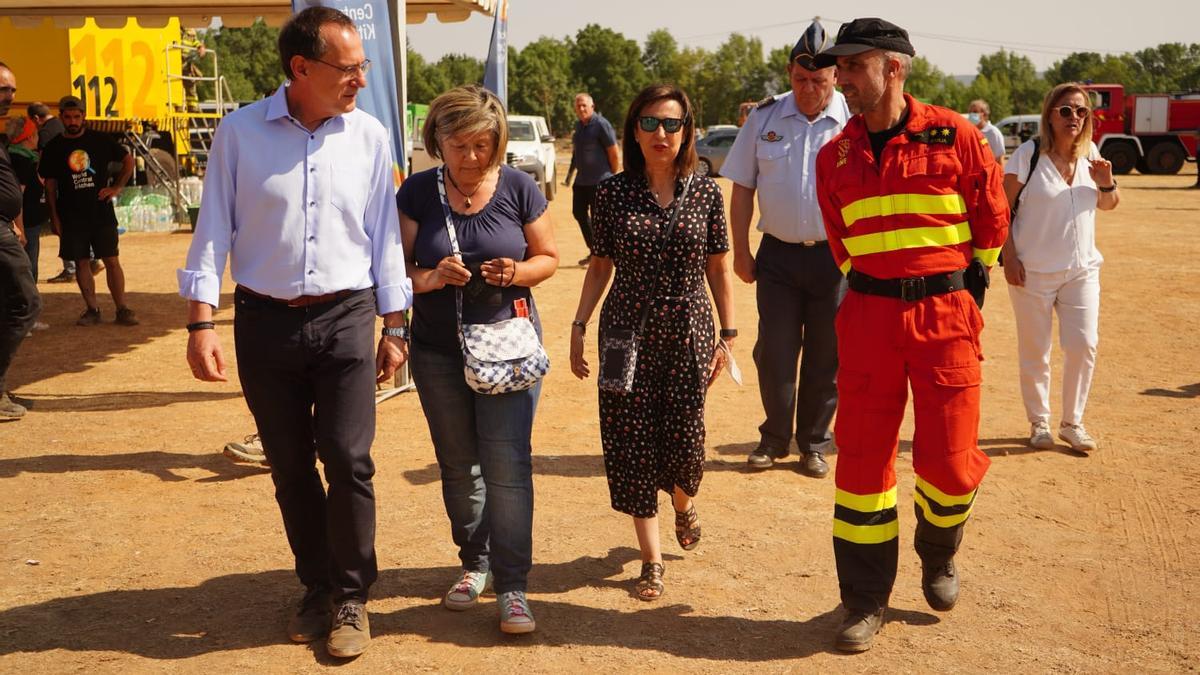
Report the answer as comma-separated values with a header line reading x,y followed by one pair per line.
x,y
934,135
765,103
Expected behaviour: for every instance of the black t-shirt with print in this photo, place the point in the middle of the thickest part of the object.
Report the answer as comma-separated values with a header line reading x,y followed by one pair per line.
x,y
80,167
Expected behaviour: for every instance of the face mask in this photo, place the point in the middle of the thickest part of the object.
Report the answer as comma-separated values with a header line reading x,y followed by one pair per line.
x,y
974,117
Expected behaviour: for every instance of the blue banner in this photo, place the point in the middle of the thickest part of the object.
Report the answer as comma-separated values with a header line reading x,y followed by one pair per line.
x,y
381,98
495,71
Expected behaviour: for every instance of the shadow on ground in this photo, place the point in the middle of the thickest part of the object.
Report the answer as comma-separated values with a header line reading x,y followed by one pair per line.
x,y
162,465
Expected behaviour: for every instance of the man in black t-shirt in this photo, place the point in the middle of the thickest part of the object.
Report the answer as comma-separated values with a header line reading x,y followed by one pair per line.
x,y
79,195
50,128
19,299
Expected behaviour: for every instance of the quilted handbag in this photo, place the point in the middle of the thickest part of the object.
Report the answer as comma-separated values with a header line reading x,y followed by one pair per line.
x,y
500,357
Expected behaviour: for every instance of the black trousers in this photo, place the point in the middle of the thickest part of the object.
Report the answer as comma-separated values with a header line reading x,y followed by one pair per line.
x,y
799,289
309,379
20,303
581,206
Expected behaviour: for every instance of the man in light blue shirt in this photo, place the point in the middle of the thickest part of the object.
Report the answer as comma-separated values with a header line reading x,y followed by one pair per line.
x,y
980,114
299,196
799,286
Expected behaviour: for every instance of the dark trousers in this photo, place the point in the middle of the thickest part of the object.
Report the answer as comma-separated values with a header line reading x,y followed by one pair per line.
x,y
20,303
308,375
33,248
581,206
799,289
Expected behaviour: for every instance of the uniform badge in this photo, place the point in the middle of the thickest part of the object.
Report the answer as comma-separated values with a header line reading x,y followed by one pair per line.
x,y
771,137
843,150
934,135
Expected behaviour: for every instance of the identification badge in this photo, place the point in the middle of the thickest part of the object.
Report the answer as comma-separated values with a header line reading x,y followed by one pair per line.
x,y
521,308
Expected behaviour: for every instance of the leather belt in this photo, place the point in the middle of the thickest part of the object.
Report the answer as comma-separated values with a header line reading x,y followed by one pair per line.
x,y
908,290
300,301
808,243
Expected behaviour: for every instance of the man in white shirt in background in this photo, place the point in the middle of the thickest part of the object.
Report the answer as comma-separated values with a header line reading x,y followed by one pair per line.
x,y
980,114
299,196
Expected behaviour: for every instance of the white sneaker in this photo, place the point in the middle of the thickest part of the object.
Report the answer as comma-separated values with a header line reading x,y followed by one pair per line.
x,y
464,594
249,450
41,325
1077,437
515,616
1039,436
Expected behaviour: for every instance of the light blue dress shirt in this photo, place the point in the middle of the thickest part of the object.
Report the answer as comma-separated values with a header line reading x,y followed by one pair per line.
x,y
298,212
775,154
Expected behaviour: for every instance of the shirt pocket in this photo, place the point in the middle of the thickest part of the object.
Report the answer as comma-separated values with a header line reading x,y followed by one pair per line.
x,y
930,166
349,181
772,161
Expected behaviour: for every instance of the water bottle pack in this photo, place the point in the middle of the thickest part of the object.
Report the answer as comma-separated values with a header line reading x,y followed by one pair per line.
x,y
146,209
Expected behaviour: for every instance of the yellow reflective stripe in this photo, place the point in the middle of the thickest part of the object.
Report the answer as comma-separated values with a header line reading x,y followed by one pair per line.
x,y
988,256
845,267
890,205
866,503
914,237
866,534
935,519
941,497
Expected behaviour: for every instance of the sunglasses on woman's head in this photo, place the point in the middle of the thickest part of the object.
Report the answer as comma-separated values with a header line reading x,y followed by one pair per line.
x,y
669,124
1067,111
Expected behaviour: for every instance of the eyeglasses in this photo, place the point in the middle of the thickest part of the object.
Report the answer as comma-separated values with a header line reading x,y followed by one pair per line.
x,y
349,71
1067,112
670,125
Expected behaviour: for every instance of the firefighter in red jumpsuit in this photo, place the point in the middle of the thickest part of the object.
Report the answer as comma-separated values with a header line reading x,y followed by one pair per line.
x,y
910,194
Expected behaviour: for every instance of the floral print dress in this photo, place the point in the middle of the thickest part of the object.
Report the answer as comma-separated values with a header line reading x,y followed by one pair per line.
x,y
653,436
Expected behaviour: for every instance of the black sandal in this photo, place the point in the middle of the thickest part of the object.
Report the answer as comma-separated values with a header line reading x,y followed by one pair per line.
x,y
650,580
687,528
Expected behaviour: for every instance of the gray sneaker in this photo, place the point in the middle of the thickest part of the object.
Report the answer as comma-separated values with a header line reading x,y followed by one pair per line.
x,y
1077,437
1039,436
250,450
10,409
515,616
464,594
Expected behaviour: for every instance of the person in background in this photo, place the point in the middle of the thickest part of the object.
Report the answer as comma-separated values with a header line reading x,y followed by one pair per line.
x,y
980,114
593,158
653,435
1051,261
49,128
22,149
482,441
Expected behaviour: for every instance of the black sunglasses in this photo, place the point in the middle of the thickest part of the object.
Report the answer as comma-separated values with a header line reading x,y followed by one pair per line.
x,y
669,124
1067,112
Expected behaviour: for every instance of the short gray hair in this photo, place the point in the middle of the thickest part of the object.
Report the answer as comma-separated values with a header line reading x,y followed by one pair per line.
x,y
469,109
905,62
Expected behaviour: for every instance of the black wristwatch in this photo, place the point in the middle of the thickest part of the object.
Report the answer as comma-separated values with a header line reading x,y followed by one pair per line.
x,y
1109,188
728,333
401,332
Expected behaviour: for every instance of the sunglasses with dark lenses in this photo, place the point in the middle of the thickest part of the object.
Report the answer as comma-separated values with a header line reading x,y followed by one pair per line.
x,y
670,125
1067,112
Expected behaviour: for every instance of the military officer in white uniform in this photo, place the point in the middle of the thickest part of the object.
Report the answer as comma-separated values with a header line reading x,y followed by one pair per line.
x,y
799,287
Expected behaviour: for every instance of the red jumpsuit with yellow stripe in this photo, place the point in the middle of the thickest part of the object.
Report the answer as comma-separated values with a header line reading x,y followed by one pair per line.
x,y
932,202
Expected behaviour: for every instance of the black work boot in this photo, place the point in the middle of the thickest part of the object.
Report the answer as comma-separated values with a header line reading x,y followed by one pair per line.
x,y
940,584
858,630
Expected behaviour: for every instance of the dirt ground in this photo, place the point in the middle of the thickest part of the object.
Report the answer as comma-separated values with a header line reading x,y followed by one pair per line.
x,y
130,544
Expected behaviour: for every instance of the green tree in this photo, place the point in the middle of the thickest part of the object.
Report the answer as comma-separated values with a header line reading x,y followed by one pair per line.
x,y
1018,74
997,95
540,83
777,77
1168,67
248,58
420,88
660,57
734,73
928,83
607,65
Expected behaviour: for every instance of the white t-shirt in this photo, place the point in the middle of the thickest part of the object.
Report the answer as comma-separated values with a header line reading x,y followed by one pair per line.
x,y
1055,227
995,139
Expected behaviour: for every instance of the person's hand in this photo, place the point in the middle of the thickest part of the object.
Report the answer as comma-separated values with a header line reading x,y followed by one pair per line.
x,y
56,227
743,265
566,182
21,238
1014,271
204,356
1101,171
579,365
107,193
718,361
499,271
450,270
392,353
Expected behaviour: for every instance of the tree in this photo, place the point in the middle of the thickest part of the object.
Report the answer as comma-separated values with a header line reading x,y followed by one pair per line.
x,y
928,83
777,77
734,73
541,83
608,66
249,59
1017,73
660,57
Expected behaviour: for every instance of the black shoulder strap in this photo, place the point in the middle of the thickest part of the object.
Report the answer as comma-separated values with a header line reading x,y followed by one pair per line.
x,y
674,218
1033,160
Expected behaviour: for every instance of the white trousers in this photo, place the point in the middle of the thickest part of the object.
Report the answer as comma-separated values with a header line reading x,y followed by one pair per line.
x,y
1075,296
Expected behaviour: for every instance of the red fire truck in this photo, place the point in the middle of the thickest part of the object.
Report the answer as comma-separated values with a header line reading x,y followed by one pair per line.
x,y
1155,133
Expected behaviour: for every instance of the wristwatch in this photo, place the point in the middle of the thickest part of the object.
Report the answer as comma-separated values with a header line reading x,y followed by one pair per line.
x,y
401,332
1109,188
728,333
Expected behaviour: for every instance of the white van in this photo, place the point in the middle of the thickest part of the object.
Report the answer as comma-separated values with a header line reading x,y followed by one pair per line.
x,y
1017,129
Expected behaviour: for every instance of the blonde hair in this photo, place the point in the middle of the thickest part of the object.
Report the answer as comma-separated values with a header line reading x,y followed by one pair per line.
x,y
466,110
1083,141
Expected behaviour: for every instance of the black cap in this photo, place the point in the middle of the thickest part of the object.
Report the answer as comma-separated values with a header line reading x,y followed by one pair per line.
x,y
70,103
862,35
809,45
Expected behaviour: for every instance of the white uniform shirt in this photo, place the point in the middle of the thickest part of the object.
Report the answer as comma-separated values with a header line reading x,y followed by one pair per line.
x,y
995,139
298,212
1055,228
776,154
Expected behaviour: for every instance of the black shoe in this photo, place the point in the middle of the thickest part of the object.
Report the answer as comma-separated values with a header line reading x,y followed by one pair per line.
x,y
858,631
61,278
90,317
764,457
940,584
813,465
312,618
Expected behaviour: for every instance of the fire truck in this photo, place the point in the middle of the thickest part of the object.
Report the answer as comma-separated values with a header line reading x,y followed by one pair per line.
x,y
1155,133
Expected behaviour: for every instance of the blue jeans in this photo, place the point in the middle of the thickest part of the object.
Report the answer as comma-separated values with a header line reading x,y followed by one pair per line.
x,y
483,450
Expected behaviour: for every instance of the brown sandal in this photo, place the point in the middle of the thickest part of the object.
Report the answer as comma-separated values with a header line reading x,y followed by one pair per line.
x,y
687,528
650,582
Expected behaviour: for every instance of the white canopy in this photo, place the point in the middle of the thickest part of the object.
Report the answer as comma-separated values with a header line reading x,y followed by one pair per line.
x,y
200,13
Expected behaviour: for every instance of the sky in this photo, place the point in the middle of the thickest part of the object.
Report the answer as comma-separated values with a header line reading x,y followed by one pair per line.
x,y
952,35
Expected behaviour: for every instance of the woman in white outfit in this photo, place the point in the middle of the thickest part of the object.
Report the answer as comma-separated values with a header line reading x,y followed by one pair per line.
x,y
1051,262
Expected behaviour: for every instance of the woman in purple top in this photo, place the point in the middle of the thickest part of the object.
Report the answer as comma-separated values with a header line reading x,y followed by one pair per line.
x,y
507,244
